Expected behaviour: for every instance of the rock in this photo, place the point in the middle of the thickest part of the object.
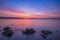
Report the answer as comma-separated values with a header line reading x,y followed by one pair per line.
x,y
7,32
45,33
28,31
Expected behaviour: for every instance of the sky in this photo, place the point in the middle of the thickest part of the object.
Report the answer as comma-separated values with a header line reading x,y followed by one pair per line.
x,y
30,8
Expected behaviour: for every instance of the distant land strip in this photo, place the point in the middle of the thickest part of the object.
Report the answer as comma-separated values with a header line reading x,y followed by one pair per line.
x,y
25,18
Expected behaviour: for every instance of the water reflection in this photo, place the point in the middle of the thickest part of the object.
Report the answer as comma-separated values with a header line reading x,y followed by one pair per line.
x,y
26,22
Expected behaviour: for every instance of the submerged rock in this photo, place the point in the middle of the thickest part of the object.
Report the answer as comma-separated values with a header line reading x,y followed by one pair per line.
x,y
43,36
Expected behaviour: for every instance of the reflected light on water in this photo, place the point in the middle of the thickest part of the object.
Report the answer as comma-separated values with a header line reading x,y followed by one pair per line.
x,y
26,22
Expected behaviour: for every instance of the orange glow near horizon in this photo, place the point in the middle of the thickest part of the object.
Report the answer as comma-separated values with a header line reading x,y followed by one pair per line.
x,y
26,15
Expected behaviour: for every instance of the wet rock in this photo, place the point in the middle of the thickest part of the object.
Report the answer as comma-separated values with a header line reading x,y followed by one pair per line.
x,y
28,31
45,33
6,28
7,32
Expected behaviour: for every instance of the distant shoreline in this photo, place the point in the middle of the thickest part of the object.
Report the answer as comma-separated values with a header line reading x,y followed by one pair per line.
x,y
25,18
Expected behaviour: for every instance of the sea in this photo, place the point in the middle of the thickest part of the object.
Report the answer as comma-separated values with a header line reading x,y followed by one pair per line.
x,y
38,25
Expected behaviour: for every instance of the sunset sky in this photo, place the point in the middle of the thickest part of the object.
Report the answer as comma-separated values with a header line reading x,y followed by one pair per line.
x,y
30,8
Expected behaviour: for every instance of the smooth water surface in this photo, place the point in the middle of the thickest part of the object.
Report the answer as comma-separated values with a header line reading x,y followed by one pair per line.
x,y
38,24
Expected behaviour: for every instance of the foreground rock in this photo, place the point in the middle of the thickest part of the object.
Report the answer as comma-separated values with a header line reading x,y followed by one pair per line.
x,y
45,33
7,32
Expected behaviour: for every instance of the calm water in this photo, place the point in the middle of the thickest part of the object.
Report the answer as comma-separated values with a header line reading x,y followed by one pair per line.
x,y
38,24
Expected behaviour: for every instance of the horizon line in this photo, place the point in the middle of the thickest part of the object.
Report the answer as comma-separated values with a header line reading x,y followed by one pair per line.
x,y
25,18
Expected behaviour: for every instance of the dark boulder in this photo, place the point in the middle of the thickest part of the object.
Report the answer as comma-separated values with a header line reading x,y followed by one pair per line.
x,y
28,31
7,32
45,33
